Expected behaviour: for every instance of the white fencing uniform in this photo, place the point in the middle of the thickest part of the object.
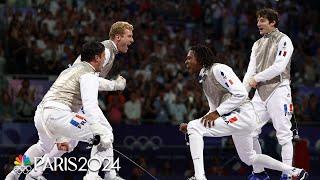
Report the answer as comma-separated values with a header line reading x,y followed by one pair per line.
x,y
270,66
56,118
64,94
42,148
75,87
104,85
228,96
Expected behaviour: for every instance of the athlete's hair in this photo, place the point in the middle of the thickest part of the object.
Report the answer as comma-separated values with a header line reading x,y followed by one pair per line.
x,y
270,14
204,55
90,49
118,28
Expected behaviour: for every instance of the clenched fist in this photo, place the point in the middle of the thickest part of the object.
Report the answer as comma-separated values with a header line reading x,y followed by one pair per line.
x,y
183,127
120,83
253,83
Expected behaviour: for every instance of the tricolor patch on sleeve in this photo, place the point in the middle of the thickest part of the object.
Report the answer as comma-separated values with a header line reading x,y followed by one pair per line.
x,y
78,121
282,53
223,75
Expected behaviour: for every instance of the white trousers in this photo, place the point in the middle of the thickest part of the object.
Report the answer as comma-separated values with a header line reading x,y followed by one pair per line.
x,y
239,125
57,125
279,108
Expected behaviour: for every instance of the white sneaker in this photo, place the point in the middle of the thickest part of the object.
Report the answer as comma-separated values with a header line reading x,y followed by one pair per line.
x,y
107,177
92,177
117,178
12,176
300,174
29,177
194,178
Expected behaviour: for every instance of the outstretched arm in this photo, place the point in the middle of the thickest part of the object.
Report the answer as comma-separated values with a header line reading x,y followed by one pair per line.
x,y
112,85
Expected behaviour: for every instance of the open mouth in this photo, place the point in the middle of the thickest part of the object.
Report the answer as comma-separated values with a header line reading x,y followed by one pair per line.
x,y
125,47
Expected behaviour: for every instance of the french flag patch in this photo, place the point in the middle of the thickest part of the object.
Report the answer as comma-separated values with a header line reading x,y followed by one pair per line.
x,y
282,53
78,121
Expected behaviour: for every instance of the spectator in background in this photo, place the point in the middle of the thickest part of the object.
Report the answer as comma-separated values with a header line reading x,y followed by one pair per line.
x,y
149,112
2,61
132,109
178,111
3,84
314,107
305,109
309,71
51,30
115,108
7,110
316,60
297,100
169,95
24,104
167,169
17,47
162,112
216,166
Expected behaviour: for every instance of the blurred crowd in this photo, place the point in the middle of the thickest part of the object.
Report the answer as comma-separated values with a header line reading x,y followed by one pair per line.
x,y
44,37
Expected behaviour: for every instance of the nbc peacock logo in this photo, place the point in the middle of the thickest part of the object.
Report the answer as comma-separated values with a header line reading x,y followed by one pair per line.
x,y
22,164
22,160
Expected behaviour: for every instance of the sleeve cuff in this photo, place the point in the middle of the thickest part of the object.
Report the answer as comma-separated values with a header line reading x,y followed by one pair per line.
x,y
256,78
219,111
106,85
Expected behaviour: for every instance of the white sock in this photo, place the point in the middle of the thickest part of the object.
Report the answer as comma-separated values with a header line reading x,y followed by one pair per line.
x,y
269,162
287,154
112,173
196,149
256,147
